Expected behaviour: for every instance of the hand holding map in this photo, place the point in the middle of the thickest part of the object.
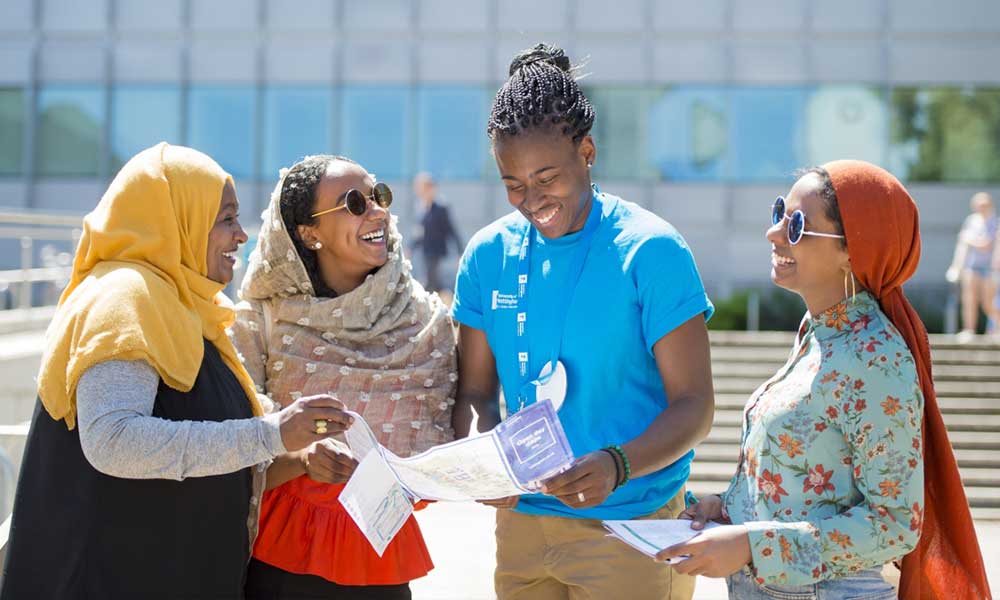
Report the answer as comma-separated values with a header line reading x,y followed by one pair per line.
x,y
510,460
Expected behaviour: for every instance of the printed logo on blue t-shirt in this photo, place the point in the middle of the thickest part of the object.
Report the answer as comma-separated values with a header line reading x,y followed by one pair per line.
x,y
503,300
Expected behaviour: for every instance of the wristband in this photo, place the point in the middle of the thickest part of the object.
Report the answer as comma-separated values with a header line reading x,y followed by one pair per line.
x,y
626,466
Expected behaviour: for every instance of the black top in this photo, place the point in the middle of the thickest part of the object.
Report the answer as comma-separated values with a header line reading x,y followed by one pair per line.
x,y
438,230
77,533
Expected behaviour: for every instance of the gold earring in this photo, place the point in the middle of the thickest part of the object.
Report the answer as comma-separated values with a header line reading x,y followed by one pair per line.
x,y
854,289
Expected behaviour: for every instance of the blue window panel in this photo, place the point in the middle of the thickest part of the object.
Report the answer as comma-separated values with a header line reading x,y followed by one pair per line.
x,y
846,121
70,128
12,117
688,136
620,132
767,133
143,116
374,129
297,123
451,131
221,123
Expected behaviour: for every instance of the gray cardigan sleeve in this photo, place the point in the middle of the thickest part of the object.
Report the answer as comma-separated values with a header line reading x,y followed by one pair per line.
x,y
120,437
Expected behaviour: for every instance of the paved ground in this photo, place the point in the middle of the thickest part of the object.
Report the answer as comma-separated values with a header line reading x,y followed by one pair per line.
x,y
460,537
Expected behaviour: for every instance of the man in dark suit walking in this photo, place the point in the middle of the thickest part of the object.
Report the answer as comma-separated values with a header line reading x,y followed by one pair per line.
x,y
435,230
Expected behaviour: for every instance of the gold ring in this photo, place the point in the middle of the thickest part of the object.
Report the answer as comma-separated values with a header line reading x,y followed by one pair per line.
x,y
320,426
581,497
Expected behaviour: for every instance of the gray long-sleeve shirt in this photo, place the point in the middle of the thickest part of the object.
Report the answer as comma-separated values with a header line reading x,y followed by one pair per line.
x,y
120,437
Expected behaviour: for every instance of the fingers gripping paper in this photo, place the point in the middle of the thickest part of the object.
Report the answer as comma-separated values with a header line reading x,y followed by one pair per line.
x,y
510,460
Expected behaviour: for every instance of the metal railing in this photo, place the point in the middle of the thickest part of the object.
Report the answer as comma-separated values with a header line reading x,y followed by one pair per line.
x,y
30,228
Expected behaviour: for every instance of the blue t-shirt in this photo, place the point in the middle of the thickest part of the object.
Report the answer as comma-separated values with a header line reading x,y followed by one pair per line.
x,y
639,282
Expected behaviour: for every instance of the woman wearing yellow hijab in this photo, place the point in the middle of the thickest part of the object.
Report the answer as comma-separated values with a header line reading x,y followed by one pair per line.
x,y
138,477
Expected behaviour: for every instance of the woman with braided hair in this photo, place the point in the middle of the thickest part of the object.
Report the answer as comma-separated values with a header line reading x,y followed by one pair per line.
x,y
581,285
329,304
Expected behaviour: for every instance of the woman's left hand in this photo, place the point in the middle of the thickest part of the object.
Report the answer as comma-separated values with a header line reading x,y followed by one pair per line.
x,y
717,552
587,483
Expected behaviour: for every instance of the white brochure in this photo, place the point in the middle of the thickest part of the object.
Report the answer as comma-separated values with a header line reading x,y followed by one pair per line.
x,y
510,460
649,536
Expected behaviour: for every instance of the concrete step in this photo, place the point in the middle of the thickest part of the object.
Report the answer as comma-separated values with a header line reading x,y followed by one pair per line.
x,y
724,435
984,502
728,454
948,405
944,389
750,353
704,470
763,371
777,339
985,423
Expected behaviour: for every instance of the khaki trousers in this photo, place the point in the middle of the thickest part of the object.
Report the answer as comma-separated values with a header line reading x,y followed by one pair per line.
x,y
560,558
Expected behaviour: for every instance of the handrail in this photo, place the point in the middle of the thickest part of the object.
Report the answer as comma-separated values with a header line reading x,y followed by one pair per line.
x,y
30,218
29,227
36,275
4,537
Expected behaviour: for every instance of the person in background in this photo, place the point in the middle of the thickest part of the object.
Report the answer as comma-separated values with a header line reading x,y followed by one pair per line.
x,y
143,467
993,327
328,303
845,463
608,293
972,264
435,232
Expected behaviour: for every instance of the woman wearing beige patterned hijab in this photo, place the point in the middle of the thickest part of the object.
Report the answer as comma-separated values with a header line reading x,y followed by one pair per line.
x,y
329,305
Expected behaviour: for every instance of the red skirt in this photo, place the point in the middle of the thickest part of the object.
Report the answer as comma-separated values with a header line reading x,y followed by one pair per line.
x,y
304,529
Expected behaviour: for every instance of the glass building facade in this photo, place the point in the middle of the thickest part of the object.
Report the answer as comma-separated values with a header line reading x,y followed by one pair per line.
x,y
680,133
704,110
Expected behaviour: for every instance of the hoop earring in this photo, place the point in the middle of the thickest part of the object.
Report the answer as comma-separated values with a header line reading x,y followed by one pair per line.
x,y
854,289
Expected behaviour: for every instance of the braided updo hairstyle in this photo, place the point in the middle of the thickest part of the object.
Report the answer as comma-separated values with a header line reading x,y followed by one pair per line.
x,y
298,203
541,91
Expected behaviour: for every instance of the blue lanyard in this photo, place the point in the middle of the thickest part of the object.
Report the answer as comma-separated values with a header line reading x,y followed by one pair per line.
x,y
572,279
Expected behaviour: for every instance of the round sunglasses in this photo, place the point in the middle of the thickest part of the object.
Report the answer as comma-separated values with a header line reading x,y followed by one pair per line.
x,y
356,203
796,223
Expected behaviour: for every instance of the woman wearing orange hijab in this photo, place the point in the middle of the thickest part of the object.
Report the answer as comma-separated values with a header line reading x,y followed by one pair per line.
x,y
845,463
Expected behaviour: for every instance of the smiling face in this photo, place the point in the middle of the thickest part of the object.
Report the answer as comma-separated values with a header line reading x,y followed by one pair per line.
x,y
351,246
225,237
815,267
547,178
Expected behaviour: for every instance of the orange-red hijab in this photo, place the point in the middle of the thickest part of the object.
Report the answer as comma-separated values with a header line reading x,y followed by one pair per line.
x,y
883,240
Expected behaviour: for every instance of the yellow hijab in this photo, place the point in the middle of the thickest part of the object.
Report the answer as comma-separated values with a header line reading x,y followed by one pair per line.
x,y
139,289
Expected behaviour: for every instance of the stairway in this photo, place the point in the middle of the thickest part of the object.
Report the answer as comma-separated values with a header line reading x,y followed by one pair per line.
x,y
967,379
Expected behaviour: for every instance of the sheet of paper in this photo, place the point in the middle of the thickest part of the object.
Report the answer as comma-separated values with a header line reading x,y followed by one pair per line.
x,y
649,536
508,461
376,502
360,437
468,469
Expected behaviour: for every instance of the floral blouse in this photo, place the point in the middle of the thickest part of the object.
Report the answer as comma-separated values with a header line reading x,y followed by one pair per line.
x,y
830,476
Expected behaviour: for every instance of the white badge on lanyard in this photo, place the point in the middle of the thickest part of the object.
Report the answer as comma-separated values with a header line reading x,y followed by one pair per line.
x,y
551,385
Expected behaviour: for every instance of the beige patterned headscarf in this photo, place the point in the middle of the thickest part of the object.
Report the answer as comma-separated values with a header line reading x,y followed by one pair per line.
x,y
386,349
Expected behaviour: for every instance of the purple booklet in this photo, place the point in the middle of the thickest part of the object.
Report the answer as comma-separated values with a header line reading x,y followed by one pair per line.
x,y
534,444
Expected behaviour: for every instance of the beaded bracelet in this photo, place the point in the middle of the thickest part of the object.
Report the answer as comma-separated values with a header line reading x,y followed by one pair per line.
x,y
625,464
618,469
